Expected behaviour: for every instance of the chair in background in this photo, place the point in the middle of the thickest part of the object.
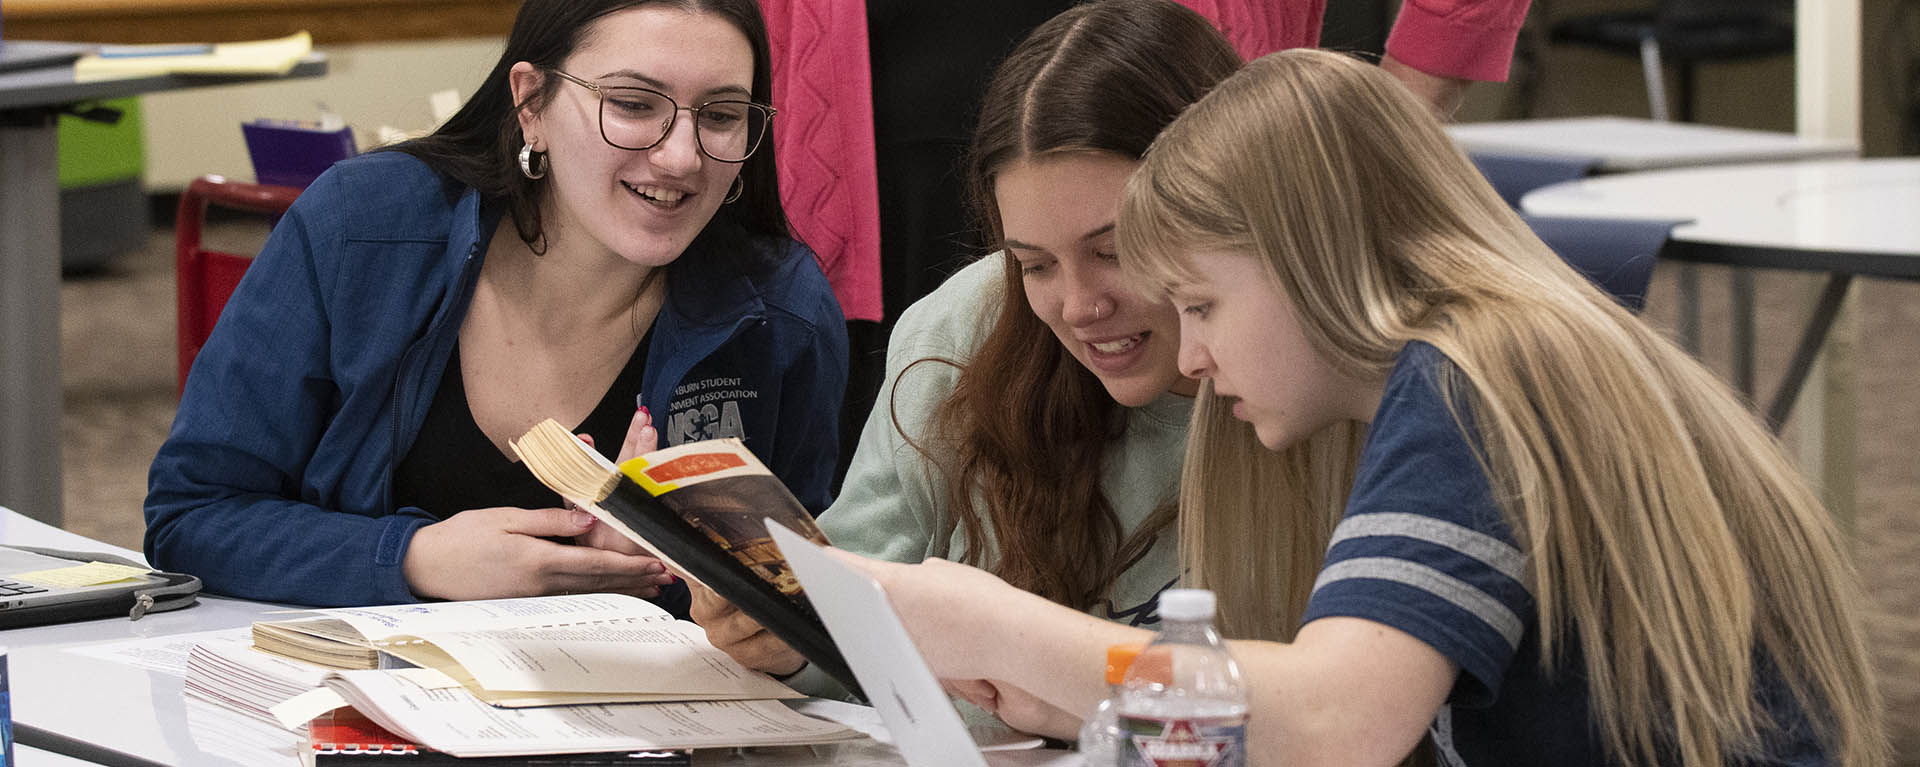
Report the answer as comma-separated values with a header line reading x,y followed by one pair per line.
x,y
206,278
1683,33
1616,254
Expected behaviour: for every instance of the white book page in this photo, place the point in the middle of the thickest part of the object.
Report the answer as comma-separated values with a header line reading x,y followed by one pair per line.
x,y
377,623
625,656
454,721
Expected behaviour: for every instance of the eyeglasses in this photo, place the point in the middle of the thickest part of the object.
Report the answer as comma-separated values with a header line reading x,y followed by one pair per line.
x,y
637,118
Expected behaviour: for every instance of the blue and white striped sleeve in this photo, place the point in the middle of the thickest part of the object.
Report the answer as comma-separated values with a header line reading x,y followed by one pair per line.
x,y
1422,547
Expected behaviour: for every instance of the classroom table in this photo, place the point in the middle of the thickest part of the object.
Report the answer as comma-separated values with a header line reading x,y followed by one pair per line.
x,y
30,395
28,756
1624,144
1844,217
1609,144
133,717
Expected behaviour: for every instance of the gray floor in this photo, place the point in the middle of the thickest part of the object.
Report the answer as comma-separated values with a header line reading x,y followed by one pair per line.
x,y
118,344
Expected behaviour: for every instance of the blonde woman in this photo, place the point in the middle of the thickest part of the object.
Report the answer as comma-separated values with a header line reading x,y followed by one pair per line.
x,y
1560,540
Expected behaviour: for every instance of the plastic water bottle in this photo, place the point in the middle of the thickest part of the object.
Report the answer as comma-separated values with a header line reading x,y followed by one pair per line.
x,y
1101,736
1183,702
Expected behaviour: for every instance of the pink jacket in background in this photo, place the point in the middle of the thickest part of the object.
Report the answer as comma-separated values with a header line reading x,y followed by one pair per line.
x,y
823,89
823,135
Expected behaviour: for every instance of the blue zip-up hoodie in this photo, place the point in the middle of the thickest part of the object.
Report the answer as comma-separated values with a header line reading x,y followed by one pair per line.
x,y
276,481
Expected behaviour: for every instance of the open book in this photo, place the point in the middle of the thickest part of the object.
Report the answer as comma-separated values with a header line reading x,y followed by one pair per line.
x,y
532,651
425,708
702,508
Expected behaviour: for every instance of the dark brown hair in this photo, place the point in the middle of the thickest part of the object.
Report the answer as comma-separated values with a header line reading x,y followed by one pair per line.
x,y
1027,425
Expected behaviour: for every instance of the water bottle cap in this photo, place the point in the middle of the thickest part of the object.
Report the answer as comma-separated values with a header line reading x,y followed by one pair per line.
x,y
1186,604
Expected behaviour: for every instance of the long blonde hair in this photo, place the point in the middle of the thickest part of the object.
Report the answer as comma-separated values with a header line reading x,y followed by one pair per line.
x,y
1667,533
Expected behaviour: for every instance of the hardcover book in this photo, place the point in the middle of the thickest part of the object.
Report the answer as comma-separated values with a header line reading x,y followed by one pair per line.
x,y
701,507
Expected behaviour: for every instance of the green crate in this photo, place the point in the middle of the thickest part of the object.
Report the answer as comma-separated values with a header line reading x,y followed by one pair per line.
x,y
93,154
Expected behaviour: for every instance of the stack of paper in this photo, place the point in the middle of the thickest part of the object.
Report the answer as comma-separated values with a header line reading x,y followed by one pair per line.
x,y
260,57
227,673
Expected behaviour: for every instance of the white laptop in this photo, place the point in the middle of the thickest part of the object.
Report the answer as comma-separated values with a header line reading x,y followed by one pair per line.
x,y
920,718
16,594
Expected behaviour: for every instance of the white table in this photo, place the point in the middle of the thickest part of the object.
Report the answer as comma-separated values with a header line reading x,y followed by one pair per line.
x,y
1620,144
30,397
122,715
1626,144
28,756
1845,217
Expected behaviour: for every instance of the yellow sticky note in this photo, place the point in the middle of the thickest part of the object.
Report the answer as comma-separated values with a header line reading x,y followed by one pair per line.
x,y
89,574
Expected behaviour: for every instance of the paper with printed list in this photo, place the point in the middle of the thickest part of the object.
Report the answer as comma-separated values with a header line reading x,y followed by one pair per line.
x,y
416,704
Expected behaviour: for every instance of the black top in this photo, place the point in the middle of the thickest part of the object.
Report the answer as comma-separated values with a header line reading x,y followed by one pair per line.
x,y
930,61
453,466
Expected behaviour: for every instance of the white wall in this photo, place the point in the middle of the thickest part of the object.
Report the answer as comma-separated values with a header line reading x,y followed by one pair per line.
x,y
194,132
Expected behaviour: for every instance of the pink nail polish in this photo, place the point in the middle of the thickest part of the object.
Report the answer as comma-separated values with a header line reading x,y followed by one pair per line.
x,y
646,416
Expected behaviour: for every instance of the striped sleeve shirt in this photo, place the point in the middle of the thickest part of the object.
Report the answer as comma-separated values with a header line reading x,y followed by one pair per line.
x,y
1422,546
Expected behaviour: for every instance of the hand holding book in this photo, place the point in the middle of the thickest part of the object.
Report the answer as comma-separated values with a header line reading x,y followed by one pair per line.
x,y
641,438
701,507
741,638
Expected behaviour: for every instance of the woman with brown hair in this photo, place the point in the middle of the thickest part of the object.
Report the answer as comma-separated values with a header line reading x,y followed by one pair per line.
x,y
1033,416
597,232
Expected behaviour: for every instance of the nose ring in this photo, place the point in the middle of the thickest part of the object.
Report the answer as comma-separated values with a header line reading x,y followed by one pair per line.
x,y
1099,310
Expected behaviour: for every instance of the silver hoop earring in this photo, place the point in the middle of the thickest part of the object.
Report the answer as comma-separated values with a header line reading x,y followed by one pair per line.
x,y
739,186
530,158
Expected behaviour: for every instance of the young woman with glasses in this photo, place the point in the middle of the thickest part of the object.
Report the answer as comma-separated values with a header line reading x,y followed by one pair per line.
x,y
1544,533
596,237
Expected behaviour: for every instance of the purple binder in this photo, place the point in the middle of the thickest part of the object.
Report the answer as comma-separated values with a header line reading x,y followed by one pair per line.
x,y
294,154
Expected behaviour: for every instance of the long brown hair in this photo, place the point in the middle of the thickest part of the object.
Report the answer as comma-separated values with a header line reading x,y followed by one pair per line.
x,y
1668,535
1022,435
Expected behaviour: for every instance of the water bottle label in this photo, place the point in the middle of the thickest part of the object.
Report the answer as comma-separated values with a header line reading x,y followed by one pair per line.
x,y
1190,742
